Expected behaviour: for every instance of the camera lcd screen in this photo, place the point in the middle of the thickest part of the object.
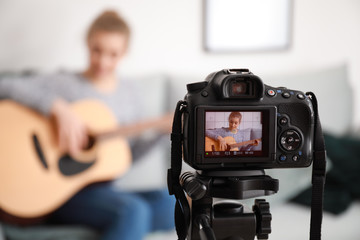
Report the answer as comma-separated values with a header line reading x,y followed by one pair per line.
x,y
236,134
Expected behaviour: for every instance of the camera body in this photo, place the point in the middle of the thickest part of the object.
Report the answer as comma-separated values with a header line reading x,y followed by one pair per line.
x,y
276,124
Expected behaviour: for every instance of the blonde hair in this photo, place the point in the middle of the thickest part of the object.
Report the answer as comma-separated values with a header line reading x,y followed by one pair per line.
x,y
109,21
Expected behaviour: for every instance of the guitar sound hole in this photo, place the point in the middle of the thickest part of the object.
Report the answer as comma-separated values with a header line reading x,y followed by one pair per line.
x,y
69,166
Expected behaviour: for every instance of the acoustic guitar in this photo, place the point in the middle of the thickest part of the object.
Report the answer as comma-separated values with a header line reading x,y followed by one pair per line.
x,y
213,145
36,177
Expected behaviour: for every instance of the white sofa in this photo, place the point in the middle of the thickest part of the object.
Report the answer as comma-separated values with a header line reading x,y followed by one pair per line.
x,y
290,221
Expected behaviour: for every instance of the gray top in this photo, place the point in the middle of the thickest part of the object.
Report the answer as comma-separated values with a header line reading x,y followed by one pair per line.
x,y
39,91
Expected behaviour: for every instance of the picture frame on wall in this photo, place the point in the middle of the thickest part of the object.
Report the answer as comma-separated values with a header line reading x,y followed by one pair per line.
x,y
247,25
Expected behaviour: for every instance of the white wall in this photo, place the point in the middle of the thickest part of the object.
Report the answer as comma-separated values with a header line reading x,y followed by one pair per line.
x,y
167,37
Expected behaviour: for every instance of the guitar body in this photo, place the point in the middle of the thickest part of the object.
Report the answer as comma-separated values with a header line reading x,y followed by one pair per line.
x,y
213,145
35,177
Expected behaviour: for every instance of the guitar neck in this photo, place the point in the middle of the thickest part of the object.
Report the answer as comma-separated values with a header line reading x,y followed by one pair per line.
x,y
131,130
234,145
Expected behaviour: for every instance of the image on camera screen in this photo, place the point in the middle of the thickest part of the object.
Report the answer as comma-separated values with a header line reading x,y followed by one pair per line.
x,y
233,133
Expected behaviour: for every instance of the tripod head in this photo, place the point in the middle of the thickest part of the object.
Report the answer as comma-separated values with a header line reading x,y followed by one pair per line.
x,y
223,219
228,184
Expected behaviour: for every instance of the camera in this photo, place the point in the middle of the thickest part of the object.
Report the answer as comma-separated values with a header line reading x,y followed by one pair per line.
x,y
276,124
229,128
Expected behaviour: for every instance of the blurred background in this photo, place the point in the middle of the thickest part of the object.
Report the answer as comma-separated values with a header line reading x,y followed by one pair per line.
x,y
169,39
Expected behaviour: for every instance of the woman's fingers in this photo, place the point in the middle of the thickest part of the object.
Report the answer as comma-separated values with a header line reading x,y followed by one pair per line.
x,y
72,131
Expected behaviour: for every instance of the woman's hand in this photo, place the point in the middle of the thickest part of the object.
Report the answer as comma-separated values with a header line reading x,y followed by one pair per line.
x,y
71,130
222,143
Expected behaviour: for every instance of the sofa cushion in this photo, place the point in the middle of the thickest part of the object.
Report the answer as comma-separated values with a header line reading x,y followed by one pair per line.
x,y
332,90
342,180
149,172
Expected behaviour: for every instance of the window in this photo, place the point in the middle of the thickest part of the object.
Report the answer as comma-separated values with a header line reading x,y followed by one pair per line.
x,y
247,25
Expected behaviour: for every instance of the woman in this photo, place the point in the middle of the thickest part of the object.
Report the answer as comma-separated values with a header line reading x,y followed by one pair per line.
x,y
117,215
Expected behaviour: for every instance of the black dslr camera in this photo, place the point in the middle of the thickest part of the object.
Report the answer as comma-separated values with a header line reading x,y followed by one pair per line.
x,y
230,128
282,120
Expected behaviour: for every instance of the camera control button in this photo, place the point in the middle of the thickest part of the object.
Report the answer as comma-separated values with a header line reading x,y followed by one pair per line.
x,y
295,158
282,158
300,96
290,140
286,95
283,121
271,92
204,93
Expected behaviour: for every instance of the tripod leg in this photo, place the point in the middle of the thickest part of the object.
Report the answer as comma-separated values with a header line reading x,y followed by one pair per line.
x,y
205,230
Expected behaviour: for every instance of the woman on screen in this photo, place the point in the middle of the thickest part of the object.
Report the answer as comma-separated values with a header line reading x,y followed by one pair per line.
x,y
231,138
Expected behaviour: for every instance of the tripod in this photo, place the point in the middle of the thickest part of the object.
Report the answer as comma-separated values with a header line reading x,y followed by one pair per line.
x,y
228,220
